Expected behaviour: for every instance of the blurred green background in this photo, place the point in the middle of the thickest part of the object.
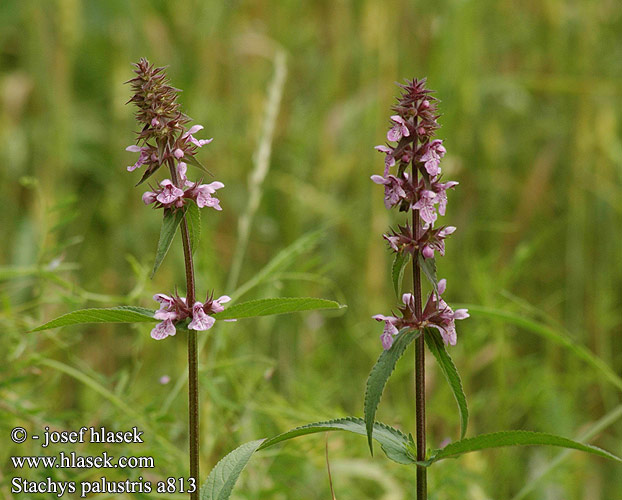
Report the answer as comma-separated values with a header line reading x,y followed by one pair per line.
x,y
531,102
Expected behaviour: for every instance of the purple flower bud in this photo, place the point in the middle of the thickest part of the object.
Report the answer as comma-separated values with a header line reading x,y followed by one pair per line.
x,y
428,252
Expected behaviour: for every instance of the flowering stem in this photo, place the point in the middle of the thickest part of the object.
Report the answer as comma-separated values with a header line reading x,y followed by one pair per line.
x,y
419,354
193,358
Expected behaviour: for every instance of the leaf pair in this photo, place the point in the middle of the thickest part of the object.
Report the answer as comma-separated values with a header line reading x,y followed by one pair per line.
x,y
250,309
396,445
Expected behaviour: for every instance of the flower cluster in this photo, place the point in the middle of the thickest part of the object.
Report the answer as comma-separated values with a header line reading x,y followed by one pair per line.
x,y
174,310
165,139
436,314
421,191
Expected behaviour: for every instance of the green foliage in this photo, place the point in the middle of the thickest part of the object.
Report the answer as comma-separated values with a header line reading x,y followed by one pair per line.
x,y
280,305
513,438
170,223
437,347
193,218
121,314
223,477
379,376
397,270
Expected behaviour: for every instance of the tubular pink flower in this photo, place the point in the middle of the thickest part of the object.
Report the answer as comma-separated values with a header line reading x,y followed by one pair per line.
x,y
204,196
170,193
440,316
389,160
163,330
432,157
142,158
200,320
399,130
149,197
393,189
197,142
178,153
390,330
425,205
217,305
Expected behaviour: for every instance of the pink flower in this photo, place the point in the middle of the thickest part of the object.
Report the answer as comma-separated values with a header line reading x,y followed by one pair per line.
x,y
440,316
390,330
441,194
399,130
425,205
170,193
167,305
389,160
178,153
197,142
142,158
163,330
149,197
217,305
393,189
200,320
182,168
203,194
432,157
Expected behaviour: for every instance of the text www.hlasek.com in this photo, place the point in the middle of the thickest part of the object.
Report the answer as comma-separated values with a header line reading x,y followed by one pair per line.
x,y
73,461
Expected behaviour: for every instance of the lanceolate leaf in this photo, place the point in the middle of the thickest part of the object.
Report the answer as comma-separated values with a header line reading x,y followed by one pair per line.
x,y
222,479
193,161
513,438
394,443
169,227
428,266
437,347
379,375
269,307
397,270
121,314
193,217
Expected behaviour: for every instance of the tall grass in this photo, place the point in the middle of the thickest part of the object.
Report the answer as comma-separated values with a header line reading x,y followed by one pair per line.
x,y
531,97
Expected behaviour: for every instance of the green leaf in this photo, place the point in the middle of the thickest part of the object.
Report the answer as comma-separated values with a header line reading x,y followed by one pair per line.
x,y
437,347
171,220
379,375
397,270
269,307
428,266
121,314
513,438
394,443
193,161
193,217
222,478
